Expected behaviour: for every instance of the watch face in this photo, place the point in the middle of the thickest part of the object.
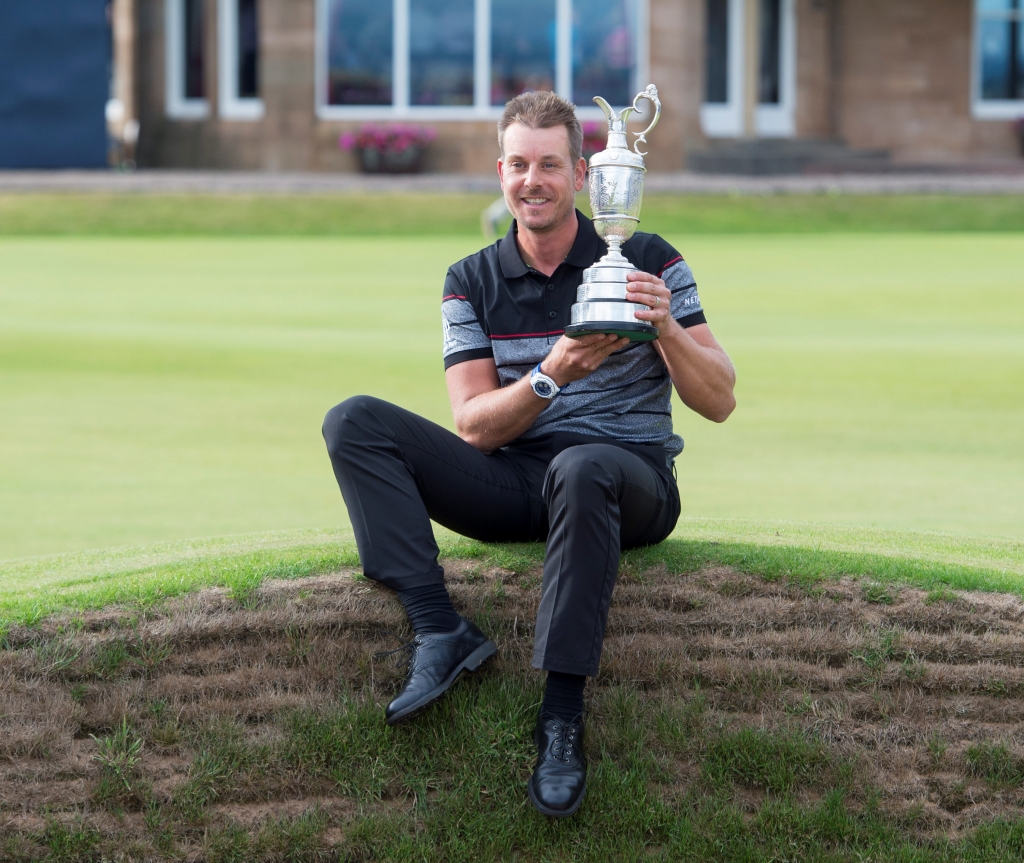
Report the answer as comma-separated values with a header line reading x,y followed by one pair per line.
x,y
542,388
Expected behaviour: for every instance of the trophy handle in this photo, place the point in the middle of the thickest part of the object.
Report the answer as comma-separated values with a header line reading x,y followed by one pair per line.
x,y
651,95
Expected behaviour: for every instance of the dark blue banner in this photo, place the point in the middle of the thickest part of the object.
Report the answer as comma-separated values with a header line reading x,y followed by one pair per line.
x,y
54,83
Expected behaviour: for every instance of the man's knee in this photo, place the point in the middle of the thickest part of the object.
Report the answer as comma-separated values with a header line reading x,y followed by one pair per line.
x,y
344,422
582,471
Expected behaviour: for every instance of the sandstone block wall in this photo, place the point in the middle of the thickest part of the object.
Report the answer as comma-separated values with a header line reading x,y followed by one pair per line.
x,y
891,74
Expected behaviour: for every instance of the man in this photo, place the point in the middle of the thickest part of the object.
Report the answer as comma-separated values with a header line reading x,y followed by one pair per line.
x,y
568,440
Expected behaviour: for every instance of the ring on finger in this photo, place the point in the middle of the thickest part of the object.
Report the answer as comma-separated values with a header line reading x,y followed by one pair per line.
x,y
657,302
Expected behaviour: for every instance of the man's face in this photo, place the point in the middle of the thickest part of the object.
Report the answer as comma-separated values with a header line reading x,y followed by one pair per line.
x,y
538,176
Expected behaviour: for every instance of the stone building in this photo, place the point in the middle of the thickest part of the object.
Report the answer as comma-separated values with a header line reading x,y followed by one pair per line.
x,y
273,84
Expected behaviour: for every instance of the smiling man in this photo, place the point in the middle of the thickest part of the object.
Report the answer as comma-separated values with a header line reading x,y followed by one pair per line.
x,y
564,440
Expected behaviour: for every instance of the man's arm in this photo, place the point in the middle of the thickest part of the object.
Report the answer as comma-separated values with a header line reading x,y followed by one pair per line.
x,y
488,415
701,371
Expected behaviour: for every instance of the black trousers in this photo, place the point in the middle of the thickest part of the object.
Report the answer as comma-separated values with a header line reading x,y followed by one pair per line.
x,y
588,497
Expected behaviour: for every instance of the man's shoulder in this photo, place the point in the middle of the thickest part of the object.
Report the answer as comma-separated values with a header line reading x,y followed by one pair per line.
x,y
650,252
478,269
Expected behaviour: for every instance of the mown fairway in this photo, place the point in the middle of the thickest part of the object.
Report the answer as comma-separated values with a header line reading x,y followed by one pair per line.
x,y
158,389
822,664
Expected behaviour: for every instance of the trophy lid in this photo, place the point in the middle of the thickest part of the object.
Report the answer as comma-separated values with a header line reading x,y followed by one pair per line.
x,y
617,152
617,156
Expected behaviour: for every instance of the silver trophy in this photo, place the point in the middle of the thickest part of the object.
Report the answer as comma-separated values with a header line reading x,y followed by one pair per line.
x,y
616,191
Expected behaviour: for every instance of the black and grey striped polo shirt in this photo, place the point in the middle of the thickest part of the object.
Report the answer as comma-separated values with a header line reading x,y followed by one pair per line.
x,y
494,305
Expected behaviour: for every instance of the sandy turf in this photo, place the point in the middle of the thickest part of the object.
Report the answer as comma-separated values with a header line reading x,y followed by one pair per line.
x,y
908,702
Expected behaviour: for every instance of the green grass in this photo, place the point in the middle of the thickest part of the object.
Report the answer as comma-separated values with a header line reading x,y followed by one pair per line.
x,y
778,763
446,215
154,389
118,756
995,763
32,588
160,389
674,774
451,787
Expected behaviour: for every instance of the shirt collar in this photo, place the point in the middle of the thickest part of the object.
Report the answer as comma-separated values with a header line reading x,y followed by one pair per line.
x,y
586,249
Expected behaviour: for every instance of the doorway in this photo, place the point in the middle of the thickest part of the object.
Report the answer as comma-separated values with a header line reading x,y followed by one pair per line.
x,y
750,69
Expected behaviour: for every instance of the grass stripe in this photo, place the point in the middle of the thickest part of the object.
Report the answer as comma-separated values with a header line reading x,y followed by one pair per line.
x,y
37,587
48,214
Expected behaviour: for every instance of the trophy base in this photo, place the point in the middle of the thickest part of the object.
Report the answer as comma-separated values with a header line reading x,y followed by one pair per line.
x,y
637,332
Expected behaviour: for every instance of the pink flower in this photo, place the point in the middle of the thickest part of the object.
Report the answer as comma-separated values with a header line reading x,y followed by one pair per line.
x,y
397,138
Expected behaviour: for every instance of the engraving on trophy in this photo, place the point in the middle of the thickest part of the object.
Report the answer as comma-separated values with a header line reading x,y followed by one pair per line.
x,y
616,192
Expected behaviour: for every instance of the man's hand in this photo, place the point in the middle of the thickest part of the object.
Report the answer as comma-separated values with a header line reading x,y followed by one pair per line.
x,y
700,370
651,291
572,359
488,415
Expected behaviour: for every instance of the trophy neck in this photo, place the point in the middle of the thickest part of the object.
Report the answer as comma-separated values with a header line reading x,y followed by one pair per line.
x,y
614,251
614,259
617,139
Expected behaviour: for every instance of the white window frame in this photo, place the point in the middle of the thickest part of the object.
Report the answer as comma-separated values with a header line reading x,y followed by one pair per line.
x,y
779,121
989,109
481,109
176,105
726,119
229,105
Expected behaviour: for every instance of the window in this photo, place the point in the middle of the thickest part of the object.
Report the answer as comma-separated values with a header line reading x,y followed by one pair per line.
x,y
239,60
248,51
360,53
774,40
999,59
522,48
466,58
185,46
441,52
716,78
604,50
769,81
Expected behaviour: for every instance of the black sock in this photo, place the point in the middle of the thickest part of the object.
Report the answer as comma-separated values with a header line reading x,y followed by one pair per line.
x,y
563,696
429,608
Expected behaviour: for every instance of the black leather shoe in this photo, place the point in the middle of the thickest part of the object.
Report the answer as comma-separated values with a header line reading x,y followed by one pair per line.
x,y
437,659
559,780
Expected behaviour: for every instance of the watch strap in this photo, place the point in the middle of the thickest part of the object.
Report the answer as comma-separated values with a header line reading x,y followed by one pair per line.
x,y
545,381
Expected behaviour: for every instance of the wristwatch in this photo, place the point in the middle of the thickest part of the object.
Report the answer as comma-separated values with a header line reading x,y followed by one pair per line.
x,y
543,385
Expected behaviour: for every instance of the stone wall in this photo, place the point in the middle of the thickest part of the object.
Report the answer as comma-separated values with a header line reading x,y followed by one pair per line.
x,y
291,137
815,80
892,74
906,82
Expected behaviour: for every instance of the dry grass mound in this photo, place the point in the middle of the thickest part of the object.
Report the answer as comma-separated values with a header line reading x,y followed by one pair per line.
x,y
223,727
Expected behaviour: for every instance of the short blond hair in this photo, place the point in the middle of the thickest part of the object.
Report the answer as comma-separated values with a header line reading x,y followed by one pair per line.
x,y
542,109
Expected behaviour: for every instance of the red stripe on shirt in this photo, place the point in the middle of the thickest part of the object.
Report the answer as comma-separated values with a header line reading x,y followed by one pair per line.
x,y
669,264
452,297
530,335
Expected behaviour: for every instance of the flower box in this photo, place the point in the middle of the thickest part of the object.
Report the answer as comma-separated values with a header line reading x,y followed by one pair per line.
x,y
392,149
